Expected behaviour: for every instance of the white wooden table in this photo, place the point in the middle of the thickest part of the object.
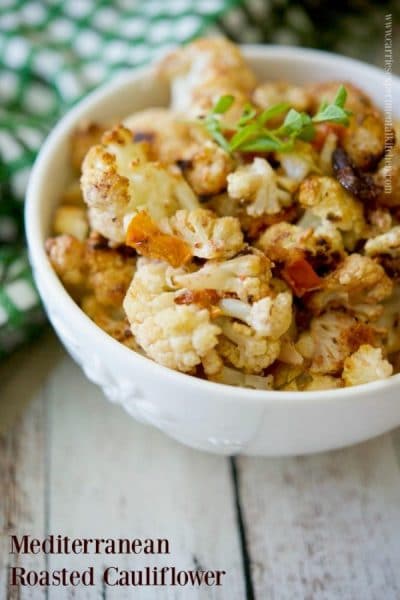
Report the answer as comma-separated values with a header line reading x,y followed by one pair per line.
x,y
321,527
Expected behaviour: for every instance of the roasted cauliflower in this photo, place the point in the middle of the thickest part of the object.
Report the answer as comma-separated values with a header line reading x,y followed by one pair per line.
x,y
246,276
259,188
359,285
207,235
205,70
365,365
118,181
325,199
178,336
331,338
248,233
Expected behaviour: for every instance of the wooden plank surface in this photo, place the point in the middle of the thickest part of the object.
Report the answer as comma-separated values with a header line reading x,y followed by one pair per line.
x,y
323,527
22,494
109,476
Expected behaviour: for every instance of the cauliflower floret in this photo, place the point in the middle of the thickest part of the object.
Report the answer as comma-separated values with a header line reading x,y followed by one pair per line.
x,y
168,134
387,243
293,378
67,256
71,220
243,348
357,101
276,92
284,242
359,284
207,169
319,382
185,143
111,319
203,71
331,338
85,268
386,248
178,336
270,317
365,365
72,195
207,235
379,221
326,199
390,321
230,376
246,276
82,139
364,139
259,188
118,181
300,162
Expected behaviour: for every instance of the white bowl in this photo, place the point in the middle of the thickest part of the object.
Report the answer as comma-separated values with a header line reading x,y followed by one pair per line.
x,y
202,414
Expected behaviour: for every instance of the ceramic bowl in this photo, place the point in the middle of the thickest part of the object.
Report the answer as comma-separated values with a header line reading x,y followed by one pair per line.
x,y
205,415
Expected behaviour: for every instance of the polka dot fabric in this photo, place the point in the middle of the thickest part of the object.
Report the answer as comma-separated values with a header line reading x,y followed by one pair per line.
x,y
51,54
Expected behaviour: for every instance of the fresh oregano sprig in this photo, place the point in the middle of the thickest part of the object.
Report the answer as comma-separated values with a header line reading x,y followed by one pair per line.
x,y
252,134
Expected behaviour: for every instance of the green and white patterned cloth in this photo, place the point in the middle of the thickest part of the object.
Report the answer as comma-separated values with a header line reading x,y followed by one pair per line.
x,y
53,52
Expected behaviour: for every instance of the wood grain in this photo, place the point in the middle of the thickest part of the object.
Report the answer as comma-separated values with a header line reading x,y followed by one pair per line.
x,y
112,477
22,494
324,527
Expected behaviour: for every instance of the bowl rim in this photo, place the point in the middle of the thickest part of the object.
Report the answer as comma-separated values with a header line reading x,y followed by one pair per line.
x,y
74,314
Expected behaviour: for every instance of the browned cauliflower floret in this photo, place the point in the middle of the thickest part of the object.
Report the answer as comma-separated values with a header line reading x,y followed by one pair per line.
x,y
208,236
289,378
72,195
67,255
365,365
379,221
71,220
203,71
364,139
111,319
276,92
357,101
178,336
259,188
323,247
390,321
244,349
359,284
118,181
185,143
85,268
331,338
82,139
324,198
386,248
230,376
247,276
167,133
207,169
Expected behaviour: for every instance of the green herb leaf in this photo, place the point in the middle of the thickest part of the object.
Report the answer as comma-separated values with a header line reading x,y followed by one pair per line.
x,y
223,105
251,133
271,113
341,96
